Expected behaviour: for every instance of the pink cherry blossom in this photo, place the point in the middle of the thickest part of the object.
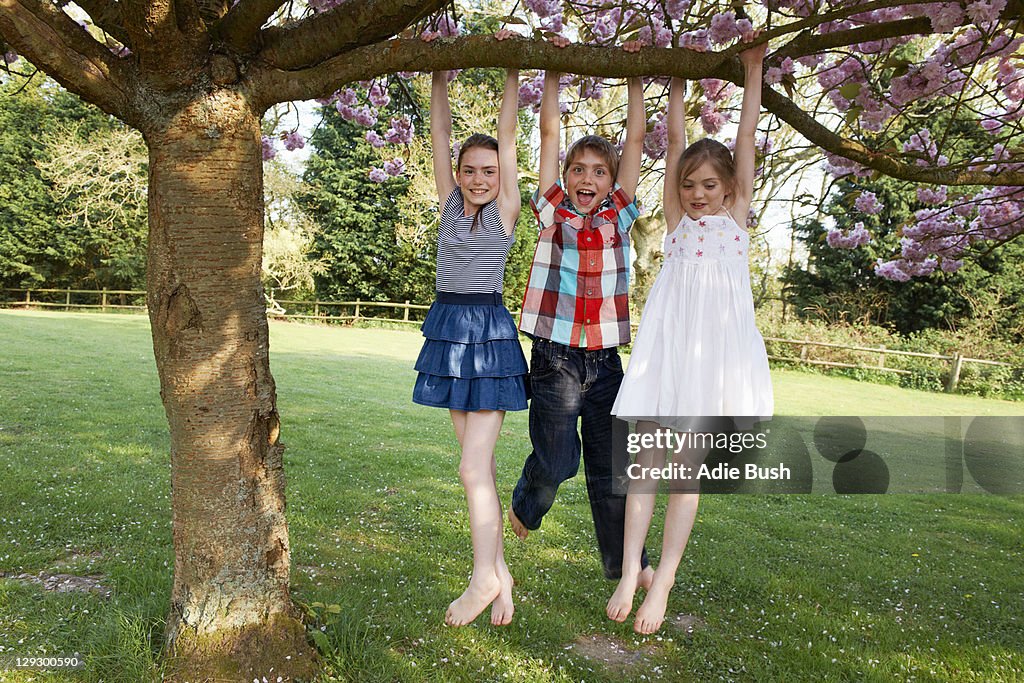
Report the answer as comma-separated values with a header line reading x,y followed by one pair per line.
x,y
400,132
294,141
712,119
856,237
269,151
723,28
868,203
928,195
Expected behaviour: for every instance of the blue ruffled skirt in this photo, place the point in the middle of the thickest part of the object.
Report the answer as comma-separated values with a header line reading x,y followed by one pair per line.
x,y
471,358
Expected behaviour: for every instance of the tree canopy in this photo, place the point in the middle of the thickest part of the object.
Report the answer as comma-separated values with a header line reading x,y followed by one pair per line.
x,y
842,74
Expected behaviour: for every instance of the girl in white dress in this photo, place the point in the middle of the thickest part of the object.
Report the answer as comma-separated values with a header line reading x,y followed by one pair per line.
x,y
698,352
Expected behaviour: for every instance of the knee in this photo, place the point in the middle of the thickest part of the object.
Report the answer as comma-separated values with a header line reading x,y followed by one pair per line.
x,y
475,474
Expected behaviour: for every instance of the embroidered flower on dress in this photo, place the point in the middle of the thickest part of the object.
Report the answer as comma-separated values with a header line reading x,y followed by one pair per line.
x,y
736,238
700,253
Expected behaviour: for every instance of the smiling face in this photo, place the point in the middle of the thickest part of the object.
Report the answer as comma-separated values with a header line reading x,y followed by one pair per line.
x,y
478,177
588,180
703,191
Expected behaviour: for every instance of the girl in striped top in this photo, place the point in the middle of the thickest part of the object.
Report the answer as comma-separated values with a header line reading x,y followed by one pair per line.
x,y
472,362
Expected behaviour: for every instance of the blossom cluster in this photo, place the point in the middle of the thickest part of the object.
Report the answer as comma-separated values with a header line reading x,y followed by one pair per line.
x,y
856,237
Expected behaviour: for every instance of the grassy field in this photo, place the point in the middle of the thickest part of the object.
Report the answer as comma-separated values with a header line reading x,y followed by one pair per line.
x,y
788,588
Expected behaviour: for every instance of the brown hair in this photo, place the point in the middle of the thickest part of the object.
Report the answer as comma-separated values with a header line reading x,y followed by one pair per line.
x,y
599,146
711,152
476,140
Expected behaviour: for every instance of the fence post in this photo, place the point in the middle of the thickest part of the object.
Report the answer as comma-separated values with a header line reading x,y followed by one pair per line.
x,y
28,296
954,372
881,356
406,316
357,309
67,300
104,302
803,351
316,308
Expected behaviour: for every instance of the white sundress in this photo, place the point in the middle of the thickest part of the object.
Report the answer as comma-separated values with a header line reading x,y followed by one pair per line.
x,y
698,352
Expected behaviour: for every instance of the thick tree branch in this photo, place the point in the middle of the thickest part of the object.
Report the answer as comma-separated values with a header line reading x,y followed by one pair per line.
x,y
240,27
52,41
809,43
273,85
107,16
392,56
354,24
815,132
152,26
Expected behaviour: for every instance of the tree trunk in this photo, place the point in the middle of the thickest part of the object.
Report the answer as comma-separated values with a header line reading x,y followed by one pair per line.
x,y
646,235
231,616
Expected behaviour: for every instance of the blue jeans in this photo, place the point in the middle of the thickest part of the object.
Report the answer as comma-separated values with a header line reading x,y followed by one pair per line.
x,y
572,385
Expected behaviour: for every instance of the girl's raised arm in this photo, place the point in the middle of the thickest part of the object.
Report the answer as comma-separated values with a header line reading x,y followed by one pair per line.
x,y
441,135
675,122
509,200
753,62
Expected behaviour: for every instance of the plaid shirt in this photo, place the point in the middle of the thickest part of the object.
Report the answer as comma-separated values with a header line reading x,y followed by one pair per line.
x,y
578,290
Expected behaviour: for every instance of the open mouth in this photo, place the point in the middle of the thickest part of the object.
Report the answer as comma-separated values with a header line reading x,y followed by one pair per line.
x,y
585,197
478,193
698,207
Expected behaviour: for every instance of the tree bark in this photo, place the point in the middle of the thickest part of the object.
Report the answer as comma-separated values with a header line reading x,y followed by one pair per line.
x,y
231,616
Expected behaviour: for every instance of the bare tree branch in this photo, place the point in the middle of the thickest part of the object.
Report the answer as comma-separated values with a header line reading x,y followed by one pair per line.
x,y
51,40
240,27
354,24
483,51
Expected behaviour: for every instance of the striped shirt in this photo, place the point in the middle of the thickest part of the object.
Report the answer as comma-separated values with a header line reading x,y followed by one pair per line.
x,y
471,261
578,289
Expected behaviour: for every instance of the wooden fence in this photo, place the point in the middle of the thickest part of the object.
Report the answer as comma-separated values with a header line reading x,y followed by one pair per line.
x,y
353,311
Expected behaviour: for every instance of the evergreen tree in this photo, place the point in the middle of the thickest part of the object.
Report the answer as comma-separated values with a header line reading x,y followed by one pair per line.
x,y
49,235
358,220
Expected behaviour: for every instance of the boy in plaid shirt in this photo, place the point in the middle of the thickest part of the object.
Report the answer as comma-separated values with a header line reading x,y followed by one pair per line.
x,y
576,311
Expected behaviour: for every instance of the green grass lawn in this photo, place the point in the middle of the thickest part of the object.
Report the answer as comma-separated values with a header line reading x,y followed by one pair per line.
x,y
788,588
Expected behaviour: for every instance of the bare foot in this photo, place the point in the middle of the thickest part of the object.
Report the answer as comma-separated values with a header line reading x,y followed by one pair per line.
x,y
517,527
621,603
502,608
468,606
646,578
652,613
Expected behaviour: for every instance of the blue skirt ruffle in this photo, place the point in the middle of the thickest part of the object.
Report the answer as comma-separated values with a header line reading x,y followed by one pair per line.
x,y
471,359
